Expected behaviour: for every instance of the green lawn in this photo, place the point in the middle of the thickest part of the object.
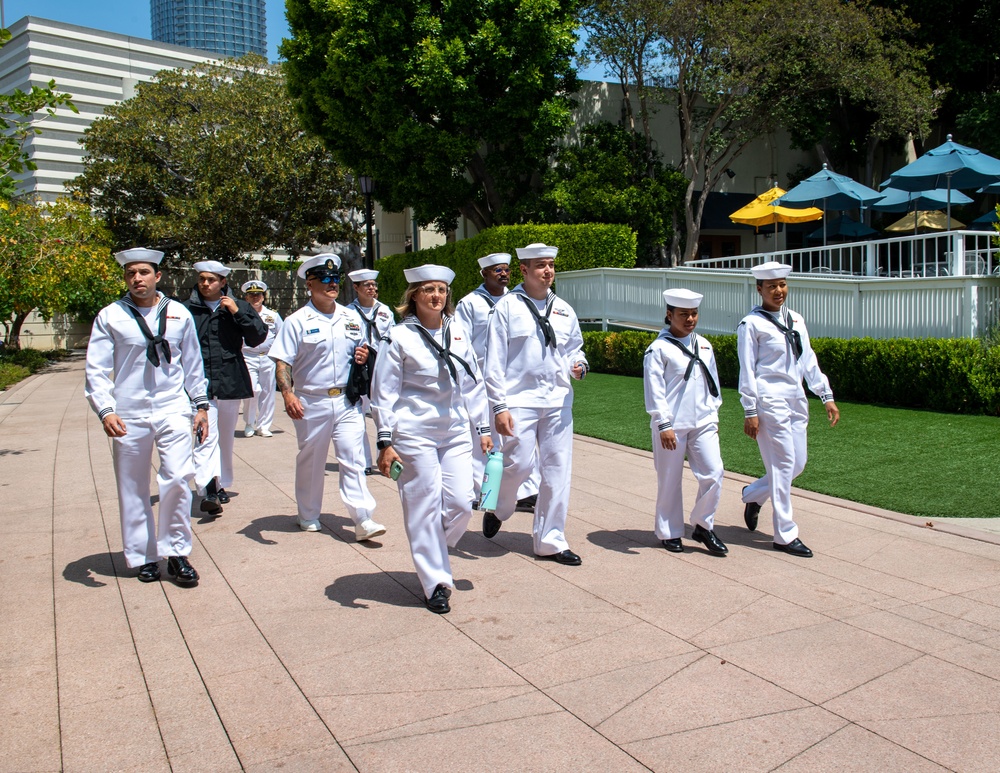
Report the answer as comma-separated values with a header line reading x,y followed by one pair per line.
x,y
916,462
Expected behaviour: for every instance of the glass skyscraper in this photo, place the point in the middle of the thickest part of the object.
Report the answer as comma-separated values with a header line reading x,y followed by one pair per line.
x,y
224,27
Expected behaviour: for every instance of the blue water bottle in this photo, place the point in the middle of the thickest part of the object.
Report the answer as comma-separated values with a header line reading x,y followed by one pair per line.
x,y
491,482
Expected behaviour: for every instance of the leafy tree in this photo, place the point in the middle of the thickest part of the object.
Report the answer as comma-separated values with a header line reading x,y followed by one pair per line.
x,y
736,69
610,177
18,121
212,162
56,260
451,107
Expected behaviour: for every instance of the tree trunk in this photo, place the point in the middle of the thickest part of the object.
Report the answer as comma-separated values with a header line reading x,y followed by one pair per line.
x,y
14,334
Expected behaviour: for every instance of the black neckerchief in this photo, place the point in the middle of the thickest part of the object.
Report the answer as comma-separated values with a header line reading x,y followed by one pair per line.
x,y
447,356
370,323
152,342
542,320
713,388
793,337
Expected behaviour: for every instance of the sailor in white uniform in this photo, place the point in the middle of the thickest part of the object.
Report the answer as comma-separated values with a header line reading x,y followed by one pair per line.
x,y
144,371
533,348
314,350
258,411
427,388
473,311
775,357
378,319
681,384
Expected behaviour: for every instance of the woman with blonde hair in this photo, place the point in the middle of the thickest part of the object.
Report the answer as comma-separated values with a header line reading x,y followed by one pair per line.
x,y
425,388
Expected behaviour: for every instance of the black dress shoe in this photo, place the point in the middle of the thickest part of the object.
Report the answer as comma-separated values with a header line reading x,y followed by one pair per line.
x,y
567,558
750,512
715,545
210,504
149,572
181,570
438,602
526,505
673,545
795,548
372,471
223,496
491,525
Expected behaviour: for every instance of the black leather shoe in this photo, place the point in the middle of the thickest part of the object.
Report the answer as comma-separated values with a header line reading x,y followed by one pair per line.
x,y
707,538
750,512
149,572
673,545
438,602
491,525
567,558
372,471
223,496
210,504
795,548
526,505
181,570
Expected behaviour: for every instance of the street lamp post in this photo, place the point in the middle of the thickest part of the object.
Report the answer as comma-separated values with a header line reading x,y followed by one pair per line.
x,y
367,187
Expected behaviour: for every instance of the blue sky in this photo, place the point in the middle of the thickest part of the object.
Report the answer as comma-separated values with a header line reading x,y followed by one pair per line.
x,y
131,17
127,17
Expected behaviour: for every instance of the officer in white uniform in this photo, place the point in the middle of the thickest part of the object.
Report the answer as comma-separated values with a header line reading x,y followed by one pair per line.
x,y
427,388
775,356
473,311
533,348
681,384
378,319
258,411
144,370
314,350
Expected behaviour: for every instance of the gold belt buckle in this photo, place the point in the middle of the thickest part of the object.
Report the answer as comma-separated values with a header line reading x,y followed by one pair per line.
x,y
335,391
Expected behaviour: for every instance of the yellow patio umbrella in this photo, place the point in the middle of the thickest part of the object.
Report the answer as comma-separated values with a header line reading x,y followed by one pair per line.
x,y
760,212
931,221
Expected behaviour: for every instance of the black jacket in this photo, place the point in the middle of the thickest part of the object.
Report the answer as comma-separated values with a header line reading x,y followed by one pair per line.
x,y
222,336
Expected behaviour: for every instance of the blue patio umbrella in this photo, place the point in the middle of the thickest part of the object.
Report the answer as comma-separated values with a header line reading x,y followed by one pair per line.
x,y
844,229
984,222
949,166
897,200
829,190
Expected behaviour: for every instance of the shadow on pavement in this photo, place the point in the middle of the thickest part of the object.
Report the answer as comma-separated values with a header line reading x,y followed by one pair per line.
x,y
82,570
350,589
624,540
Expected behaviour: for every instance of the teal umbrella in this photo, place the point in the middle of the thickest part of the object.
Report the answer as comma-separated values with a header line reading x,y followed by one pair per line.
x,y
829,190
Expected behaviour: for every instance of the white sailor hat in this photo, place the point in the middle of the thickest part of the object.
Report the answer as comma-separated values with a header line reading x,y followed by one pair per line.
x,y
495,259
254,286
429,273
363,275
680,298
536,250
319,266
771,270
139,255
212,266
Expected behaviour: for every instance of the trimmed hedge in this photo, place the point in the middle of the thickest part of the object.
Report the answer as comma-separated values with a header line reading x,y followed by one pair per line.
x,y
953,375
17,364
580,246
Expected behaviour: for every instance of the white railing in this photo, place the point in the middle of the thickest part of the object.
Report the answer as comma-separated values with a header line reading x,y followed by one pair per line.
x,y
953,253
838,306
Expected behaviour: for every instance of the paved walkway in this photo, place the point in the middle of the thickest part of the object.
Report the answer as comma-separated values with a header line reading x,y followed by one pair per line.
x,y
310,652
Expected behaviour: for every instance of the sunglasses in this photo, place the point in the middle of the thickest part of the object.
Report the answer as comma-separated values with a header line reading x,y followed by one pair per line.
x,y
500,270
328,279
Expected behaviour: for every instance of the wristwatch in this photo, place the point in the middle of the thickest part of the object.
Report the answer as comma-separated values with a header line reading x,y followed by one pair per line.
x,y
381,445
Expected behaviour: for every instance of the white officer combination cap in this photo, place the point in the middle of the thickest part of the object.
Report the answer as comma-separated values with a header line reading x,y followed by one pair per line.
x,y
429,273
254,286
681,298
363,275
771,270
326,263
139,255
212,266
536,250
495,259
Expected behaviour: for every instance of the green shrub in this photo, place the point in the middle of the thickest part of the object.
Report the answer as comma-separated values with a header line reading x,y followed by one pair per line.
x,y
10,374
953,375
580,246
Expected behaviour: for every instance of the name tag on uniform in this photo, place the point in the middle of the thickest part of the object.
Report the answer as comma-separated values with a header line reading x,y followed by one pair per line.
x,y
314,330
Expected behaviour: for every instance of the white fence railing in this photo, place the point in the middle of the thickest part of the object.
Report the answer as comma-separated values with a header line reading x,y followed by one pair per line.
x,y
953,253
839,306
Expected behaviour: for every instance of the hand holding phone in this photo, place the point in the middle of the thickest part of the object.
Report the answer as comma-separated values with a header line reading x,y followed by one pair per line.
x,y
395,469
